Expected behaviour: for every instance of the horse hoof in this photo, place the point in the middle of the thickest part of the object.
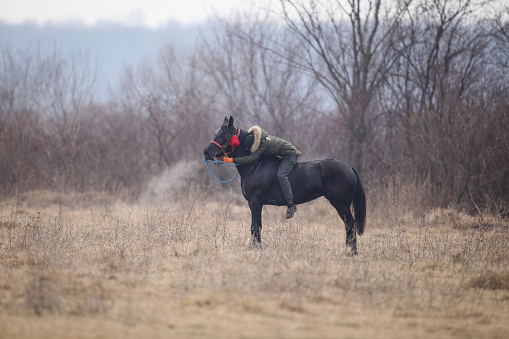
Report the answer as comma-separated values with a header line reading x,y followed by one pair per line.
x,y
351,251
255,245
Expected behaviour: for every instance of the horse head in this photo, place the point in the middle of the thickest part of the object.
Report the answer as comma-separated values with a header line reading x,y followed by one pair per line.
x,y
222,140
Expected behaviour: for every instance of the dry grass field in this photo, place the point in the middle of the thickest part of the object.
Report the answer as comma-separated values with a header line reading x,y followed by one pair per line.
x,y
88,266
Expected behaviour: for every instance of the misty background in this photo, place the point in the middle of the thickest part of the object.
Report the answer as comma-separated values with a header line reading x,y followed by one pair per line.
x,y
111,46
413,94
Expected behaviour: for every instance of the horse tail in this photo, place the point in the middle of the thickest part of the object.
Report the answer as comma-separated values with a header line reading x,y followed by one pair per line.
x,y
359,205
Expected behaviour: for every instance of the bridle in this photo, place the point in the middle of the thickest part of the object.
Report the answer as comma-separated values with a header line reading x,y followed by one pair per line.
x,y
222,148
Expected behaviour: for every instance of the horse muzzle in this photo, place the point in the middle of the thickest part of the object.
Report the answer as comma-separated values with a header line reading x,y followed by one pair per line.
x,y
208,155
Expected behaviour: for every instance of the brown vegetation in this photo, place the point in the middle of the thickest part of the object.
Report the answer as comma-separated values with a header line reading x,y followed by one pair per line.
x,y
90,265
410,90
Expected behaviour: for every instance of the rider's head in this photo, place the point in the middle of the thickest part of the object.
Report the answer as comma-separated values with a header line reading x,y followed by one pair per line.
x,y
249,141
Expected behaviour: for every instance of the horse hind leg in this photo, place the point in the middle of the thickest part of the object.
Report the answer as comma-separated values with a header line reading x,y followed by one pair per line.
x,y
351,235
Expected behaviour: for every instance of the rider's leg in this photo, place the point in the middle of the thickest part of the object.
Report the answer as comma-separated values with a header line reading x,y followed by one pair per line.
x,y
282,175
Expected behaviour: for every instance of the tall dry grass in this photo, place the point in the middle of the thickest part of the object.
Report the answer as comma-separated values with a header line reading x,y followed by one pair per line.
x,y
88,265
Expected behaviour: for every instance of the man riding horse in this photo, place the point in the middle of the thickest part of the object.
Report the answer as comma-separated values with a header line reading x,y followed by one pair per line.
x,y
265,144
335,180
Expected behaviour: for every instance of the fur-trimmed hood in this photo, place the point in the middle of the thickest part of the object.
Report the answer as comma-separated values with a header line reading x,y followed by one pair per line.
x,y
267,145
257,132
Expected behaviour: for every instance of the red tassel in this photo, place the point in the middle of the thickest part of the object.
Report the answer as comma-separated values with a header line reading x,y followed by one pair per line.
x,y
234,141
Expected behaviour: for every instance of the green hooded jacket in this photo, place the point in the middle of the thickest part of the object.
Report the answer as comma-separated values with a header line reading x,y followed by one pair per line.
x,y
267,145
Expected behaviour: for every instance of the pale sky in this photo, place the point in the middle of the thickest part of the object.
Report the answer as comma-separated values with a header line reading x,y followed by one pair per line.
x,y
151,13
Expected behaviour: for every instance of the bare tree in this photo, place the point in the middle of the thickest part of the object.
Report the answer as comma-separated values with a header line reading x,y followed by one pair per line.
x,y
18,119
45,95
256,84
66,89
499,31
166,94
437,98
347,47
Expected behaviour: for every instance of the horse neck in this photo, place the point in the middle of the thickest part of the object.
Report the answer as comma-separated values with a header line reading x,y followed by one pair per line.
x,y
241,151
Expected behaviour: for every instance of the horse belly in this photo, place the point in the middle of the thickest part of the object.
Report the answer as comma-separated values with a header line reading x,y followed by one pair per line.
x,y
306,184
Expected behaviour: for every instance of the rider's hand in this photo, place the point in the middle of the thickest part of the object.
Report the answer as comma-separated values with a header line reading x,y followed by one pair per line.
x,y
226,159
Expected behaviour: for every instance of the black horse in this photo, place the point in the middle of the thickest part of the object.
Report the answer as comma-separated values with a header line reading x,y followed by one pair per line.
x,y
337,181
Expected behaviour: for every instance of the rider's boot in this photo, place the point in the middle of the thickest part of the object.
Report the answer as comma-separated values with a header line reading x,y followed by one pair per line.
x,y
291,210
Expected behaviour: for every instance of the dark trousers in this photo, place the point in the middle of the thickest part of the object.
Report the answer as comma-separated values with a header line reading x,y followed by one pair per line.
x,y
282,176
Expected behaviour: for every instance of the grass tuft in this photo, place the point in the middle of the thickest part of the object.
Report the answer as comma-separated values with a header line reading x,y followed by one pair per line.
x,y
184,269
492,280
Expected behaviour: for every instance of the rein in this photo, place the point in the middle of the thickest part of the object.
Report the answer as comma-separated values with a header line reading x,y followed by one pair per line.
x,y
217,163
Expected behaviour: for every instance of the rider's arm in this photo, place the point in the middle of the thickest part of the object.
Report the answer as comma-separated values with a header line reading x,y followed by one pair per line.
x,y
252,157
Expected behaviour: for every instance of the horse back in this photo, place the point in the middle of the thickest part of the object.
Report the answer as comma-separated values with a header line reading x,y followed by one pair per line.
x,y
309,180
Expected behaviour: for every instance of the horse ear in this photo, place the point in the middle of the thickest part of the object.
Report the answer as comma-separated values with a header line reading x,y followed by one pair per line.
x,y
230,123
225,121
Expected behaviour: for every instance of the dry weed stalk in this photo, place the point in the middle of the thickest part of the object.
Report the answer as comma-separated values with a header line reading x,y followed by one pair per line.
x,y
136,263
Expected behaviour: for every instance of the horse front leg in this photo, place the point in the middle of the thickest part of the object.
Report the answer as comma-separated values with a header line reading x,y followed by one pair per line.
x,y
256,224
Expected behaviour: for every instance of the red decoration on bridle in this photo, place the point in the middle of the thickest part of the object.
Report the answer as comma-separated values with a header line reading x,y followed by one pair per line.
x,y
234,141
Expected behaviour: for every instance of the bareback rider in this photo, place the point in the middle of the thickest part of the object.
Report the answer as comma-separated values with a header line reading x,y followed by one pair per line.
x,y
263,143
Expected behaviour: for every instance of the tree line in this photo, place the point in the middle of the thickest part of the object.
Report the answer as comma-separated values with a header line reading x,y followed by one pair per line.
x,y
413,90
